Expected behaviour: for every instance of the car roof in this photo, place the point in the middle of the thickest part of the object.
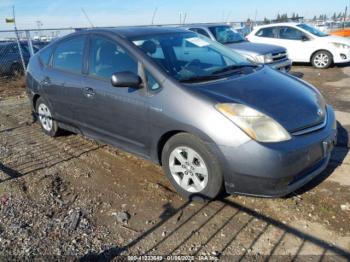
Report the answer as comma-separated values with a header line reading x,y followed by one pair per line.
x,y
139,31
204,25
277,24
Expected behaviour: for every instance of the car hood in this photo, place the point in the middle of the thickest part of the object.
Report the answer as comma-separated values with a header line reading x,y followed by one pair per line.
x,y
335,39
259,49
292,102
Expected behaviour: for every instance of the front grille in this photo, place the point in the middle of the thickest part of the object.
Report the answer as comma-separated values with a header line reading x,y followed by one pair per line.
x,y
279,56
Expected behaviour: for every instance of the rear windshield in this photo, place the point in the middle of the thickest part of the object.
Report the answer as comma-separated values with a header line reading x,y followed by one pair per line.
x,y
226,34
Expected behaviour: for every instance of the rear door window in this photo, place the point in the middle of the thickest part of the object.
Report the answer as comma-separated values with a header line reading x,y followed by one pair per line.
x,y
268,32
68,55
200,31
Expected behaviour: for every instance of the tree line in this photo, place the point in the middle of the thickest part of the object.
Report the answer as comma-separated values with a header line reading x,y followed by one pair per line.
x,y
280,18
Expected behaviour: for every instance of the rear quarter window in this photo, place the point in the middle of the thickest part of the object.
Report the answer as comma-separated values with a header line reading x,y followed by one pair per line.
x,y
45,56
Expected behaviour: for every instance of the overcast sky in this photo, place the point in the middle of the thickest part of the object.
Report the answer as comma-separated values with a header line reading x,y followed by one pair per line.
x,y
67,13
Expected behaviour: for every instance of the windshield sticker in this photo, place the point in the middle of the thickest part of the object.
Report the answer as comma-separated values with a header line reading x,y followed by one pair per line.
x,y
197,41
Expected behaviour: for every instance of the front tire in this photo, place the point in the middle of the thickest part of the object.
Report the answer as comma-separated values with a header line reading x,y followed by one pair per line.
x,y
191,168
44,114
322,59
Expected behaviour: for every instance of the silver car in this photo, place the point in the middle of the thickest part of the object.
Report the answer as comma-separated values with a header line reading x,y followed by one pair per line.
x,y
272,55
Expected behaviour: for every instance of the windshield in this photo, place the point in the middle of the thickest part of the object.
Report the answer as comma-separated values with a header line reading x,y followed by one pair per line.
x,y
226,34
189,56
312,30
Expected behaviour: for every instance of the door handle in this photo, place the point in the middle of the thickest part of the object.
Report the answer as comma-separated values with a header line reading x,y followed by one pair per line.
x,y
89,92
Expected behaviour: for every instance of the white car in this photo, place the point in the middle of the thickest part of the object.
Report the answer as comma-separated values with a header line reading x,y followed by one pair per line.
x,y
304,43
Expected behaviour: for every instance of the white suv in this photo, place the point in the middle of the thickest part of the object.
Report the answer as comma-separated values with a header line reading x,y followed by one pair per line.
x,y
304,43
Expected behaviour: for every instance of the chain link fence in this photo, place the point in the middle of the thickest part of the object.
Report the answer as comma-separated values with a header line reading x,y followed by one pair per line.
x,y
16,48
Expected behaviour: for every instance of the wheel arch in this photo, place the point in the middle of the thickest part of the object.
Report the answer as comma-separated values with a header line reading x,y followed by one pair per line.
x,y
318,50
163,140
34,100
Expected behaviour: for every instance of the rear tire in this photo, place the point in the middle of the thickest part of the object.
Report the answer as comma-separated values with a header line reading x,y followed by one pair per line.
x,y
16,70
44,115
322,59
191,168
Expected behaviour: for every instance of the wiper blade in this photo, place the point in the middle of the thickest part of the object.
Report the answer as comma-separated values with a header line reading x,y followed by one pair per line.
x,y
233,67
196,79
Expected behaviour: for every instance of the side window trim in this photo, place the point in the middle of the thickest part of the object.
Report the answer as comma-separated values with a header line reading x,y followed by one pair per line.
x,y
52,60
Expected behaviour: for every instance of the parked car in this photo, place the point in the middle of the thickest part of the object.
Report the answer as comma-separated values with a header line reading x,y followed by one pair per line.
x,y
274,56
210,117
10,59
37,45
305,43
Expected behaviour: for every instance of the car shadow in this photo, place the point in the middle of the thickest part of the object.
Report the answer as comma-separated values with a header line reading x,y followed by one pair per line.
x,y
237,220
40,151
297,74
342,65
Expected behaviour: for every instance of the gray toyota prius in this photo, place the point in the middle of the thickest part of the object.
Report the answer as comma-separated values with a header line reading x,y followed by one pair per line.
x,y
212,119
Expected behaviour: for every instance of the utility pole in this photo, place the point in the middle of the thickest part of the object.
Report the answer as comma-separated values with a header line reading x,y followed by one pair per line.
x,y
154,15
345,16
228,16
184,20
18,40
256,15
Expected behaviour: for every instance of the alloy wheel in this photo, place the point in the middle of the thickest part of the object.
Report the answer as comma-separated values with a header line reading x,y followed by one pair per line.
x,y
45,117
188,169
321,60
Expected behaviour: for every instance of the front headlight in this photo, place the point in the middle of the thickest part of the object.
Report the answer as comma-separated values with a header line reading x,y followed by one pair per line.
x,y
255,124
264,59
340,45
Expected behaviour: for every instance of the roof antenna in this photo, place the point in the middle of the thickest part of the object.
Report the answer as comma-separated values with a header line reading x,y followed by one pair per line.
x,y
87,17
154,15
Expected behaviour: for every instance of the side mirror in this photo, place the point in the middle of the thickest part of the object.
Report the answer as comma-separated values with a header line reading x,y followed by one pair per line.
x,y
126,79
304,38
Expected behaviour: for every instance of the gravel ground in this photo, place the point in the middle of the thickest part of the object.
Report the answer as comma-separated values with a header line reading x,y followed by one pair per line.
x,y
74,198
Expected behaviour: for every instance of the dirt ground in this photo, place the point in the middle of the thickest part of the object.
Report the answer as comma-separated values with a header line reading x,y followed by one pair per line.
x,y
67,197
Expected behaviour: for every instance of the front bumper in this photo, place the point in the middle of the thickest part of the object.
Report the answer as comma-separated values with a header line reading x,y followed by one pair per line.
x,y
277,169
282,65
341,56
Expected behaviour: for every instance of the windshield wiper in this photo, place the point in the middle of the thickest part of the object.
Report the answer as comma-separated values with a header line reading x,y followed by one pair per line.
x,y
196,79
233,68
235,42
